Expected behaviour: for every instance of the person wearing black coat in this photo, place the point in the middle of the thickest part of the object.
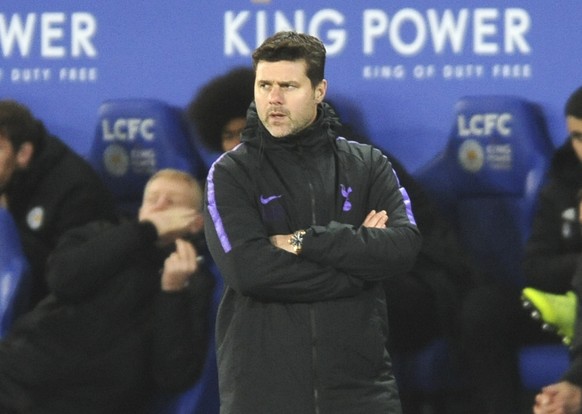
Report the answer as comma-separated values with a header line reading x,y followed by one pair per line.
x,y
127,316
555,242
296,220
554,261
46,186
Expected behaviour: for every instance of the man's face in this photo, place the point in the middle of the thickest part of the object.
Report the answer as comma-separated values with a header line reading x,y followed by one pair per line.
x,y
8,162
285,99
574,126
231,133
164,193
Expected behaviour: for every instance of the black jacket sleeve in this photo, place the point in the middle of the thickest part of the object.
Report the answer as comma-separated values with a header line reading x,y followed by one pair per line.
x,y
371,254
574,372
89,256
181,333
547,265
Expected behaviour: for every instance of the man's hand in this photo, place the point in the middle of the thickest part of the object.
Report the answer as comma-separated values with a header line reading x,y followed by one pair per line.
x,y
561,398
172,223
282,242
376,219
179,266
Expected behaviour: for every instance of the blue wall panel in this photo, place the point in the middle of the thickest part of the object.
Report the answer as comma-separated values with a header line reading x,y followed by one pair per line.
x,y
396,68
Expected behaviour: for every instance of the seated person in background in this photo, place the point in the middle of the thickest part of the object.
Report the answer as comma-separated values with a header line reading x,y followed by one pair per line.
x,y
46,186
126,316
495,323
219,109
555,243
565,397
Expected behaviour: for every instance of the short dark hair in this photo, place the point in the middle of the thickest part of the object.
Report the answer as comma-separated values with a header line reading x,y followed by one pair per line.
x,y
574,104
294,46
222,99
18,125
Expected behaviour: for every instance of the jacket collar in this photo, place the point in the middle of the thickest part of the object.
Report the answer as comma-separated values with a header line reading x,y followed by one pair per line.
x,y
320,133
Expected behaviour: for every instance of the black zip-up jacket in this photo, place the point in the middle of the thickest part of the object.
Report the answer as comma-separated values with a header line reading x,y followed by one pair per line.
x,y
558,242
555,242
306,334
57,192
574,372
107,339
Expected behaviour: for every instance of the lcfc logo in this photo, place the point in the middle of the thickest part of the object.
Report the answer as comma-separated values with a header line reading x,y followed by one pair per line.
x,y
485,124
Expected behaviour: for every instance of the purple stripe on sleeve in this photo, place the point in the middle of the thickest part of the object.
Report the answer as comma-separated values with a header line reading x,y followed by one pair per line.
x,y
406,199
408,205
212,208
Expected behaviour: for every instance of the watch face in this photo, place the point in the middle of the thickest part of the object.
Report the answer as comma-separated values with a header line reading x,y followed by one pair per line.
x,y
294,240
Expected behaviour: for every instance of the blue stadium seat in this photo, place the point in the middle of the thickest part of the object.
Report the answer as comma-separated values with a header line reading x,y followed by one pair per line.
x,y
541,365
488,176
486,181
15,275
134,139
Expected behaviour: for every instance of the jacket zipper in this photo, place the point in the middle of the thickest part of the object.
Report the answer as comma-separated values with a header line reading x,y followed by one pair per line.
x,y
314,357
312,318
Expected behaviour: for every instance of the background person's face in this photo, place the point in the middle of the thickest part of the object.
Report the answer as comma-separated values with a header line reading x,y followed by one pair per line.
x,y
286,102
231,133
8,162
574,126
164,193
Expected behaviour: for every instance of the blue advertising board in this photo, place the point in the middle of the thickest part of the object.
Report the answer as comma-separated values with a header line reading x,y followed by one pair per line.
x,y
395,69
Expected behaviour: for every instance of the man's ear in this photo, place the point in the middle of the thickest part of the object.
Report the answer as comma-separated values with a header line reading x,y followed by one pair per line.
x,y
320,91
24,155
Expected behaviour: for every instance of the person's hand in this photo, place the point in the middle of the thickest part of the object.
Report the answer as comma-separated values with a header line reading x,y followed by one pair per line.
x,y
282,242
172,223
376,219
179,266
560,398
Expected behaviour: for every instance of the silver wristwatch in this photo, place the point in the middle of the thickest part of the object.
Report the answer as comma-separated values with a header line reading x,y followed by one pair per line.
x,y
296,240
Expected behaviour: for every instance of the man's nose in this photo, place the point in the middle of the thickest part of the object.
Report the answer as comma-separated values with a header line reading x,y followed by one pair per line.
x,y
162,203
276,95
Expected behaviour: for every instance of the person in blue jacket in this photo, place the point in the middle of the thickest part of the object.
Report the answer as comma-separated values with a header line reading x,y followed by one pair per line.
x,y
304,227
